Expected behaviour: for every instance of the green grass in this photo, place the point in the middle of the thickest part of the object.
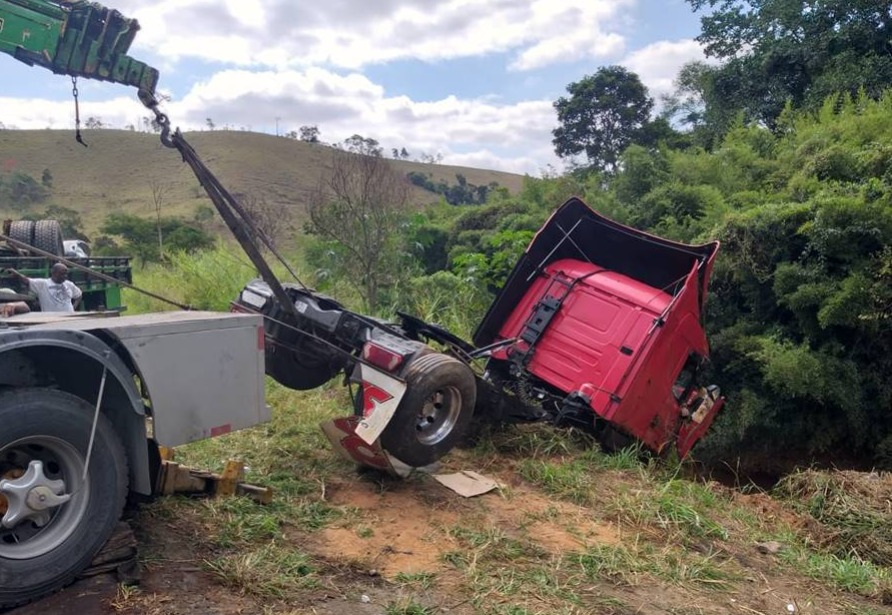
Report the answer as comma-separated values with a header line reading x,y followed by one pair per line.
x,y
407,607
116,172
849,574
674,534
272,570
855,506
422,580
682,504
207,280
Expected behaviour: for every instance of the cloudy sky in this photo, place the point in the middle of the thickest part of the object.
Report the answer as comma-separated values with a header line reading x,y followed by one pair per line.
x,y
470,80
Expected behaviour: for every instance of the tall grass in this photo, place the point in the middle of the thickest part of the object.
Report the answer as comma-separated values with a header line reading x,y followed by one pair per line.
x,y
207,280
211,279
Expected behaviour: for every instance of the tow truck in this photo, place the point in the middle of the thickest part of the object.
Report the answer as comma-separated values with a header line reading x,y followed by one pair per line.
x,y
88,399
599,326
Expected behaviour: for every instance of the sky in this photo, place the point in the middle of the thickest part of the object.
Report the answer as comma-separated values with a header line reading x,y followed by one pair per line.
x,y
471,82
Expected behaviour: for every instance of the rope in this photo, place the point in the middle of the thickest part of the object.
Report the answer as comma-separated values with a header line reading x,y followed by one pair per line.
x,y
73,265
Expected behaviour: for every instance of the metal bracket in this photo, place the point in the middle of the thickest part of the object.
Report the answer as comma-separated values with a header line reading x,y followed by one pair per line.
x,y
175,478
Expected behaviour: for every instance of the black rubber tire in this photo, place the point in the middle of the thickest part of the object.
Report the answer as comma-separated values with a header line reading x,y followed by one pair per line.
x,y
427,377
294,359
48,237
65,420
22,230
301,371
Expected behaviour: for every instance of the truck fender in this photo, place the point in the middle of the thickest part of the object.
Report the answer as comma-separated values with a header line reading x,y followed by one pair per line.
x,y
73,361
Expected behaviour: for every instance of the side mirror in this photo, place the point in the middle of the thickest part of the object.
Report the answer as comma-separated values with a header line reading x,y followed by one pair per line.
x,y
714,392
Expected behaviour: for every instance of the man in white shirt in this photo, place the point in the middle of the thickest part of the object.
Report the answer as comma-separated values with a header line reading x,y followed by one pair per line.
x,y
56,293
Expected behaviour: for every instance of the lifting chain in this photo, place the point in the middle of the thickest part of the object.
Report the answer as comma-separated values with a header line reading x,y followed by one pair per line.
x,y
77,113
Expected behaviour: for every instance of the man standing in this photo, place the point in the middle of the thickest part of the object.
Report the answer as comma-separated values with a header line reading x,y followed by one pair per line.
x,y
56,293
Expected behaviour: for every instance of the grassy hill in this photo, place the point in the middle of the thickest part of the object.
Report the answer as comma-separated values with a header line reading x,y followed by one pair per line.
x,y
116,172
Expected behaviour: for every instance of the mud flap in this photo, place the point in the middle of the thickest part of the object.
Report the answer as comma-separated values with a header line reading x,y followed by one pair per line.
x,y
357,438
696,428
381,395
341,432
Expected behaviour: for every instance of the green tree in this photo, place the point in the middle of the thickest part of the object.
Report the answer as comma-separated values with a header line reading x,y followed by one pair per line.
x,y
70,220
20,191
364,146
603,115
694,105
775,51
140,236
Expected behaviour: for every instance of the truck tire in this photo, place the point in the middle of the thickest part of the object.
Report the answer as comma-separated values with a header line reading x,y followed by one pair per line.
x,y
48,237
22,230
435,411
297,359
43,552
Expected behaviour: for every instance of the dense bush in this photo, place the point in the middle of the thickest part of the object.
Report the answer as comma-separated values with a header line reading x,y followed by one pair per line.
x,y
800,307
145,239
18,191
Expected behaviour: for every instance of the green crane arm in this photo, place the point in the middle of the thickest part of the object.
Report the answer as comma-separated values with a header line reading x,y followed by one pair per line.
x,y
77,38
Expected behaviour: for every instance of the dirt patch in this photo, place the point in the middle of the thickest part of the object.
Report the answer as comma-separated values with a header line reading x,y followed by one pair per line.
x,y
771,511
557,527
93,595
403,527
407,528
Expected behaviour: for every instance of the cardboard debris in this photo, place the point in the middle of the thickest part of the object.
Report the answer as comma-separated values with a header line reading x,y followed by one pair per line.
x,y
467,484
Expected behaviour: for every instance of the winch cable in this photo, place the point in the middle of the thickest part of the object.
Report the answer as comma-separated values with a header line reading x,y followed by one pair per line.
x,y
74,265
234,215
92,272
227,206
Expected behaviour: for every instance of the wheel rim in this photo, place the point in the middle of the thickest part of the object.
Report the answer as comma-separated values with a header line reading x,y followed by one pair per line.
x,y
438,416
61,462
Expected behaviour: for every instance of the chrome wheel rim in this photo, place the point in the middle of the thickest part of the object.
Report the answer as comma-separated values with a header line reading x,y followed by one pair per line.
x,y
438,416
62,464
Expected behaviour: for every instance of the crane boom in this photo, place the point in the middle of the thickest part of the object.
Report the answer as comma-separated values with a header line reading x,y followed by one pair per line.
x,y
78,38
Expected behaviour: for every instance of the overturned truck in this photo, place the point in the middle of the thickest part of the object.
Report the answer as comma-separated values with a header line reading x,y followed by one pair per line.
x,y
599,326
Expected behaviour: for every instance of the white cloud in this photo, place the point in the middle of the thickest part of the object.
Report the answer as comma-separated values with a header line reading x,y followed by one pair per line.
x,y
29,114
480,132
658,63
355,33
342,105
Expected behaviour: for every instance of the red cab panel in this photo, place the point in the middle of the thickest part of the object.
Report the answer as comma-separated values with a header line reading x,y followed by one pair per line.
x,y
601,310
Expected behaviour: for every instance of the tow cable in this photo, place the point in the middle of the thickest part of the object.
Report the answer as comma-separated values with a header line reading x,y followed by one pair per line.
x,y
234,215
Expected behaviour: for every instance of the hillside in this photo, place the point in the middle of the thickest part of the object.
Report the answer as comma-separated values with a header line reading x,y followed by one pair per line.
x,y
116,172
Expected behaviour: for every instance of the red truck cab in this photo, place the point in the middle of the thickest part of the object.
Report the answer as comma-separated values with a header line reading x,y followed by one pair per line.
x,y
604,324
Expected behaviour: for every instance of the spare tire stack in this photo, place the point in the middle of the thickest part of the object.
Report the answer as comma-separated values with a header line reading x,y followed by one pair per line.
x,y
44,235
22,230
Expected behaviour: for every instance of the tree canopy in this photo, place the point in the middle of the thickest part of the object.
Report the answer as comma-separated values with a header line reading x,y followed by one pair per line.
x,y
603,115
801,51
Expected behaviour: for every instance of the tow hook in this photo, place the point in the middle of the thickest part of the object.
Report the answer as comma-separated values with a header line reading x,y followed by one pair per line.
x,y
32,497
